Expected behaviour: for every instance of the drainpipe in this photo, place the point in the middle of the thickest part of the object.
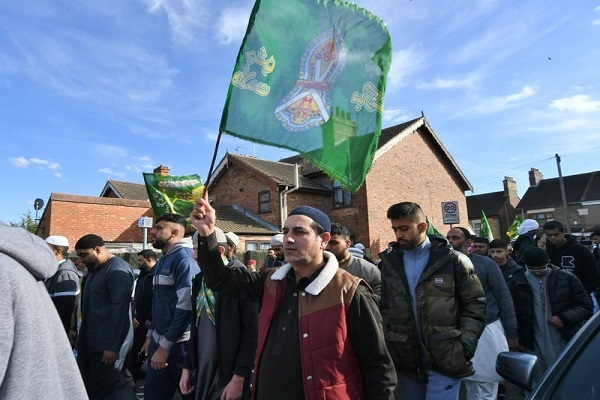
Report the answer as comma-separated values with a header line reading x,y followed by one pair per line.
x,y
283,196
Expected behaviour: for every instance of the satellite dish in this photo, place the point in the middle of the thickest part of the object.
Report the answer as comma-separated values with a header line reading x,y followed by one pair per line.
x,y
38,204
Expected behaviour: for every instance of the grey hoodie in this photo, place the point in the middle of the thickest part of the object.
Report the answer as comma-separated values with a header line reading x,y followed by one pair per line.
x,y
36,360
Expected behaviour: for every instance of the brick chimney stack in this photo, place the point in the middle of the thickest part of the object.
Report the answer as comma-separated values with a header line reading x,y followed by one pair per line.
x,y
510,190
535,176
162,170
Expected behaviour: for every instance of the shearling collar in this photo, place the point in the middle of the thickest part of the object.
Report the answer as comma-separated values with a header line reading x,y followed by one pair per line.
x,y
316,286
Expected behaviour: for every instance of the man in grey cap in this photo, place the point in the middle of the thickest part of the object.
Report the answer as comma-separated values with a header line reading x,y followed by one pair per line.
x,y
64,287
319,327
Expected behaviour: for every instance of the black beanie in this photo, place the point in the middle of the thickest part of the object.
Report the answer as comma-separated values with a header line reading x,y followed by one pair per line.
x,y
90,241
316,215
535,257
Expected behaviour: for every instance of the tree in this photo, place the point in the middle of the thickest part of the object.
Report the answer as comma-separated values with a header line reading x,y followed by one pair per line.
x,y
27,222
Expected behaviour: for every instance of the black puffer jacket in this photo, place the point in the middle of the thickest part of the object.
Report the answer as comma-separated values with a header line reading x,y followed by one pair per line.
x,y
577,259
568,301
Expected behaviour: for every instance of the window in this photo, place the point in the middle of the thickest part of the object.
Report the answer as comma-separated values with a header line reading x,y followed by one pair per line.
x,y
257,246
341,197
264,201
542,217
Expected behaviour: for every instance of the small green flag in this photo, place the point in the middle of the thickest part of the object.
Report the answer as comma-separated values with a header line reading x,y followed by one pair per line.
x,y
485,231
513,229
431,229
173,194
310,77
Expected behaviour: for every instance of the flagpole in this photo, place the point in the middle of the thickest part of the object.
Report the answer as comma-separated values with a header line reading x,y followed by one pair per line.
x,y
212,164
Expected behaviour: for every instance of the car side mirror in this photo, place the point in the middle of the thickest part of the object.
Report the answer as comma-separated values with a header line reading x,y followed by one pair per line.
x,y
517,368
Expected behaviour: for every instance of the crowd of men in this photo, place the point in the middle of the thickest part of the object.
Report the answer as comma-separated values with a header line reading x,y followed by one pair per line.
x,y
317,319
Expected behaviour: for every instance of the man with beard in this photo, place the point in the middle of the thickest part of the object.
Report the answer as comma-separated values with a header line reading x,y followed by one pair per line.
x,y
432,305
65,286
169,330
339,245
142,309
319,328
499,318
106,331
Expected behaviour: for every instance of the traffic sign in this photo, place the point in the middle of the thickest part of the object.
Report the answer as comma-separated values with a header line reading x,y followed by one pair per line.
x,y
450,213
146,222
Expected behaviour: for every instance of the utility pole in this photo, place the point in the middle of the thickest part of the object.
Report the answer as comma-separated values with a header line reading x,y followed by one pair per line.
x,y
563,193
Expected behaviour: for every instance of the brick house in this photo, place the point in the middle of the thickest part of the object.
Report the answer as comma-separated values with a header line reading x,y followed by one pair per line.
x,y
543,200
410,164
115,214
499,209
114,219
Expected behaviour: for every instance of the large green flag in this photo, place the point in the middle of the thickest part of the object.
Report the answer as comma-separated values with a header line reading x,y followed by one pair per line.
x,y
485,231
173,194
310,77
431,229
513,229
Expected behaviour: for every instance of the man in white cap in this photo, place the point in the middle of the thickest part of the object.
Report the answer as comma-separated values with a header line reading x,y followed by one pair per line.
x,y
277,246
64,286
233,241
527,236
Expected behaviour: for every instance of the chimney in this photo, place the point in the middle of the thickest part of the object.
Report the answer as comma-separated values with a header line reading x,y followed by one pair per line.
x,y
535,176
510,190
161,170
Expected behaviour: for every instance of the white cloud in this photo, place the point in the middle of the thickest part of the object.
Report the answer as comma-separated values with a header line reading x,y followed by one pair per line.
x,y
580,104
110,173
596,22
496,104
186,18
40,163
231,25
141,164
394,116
405,63
466,82
110,151
21,162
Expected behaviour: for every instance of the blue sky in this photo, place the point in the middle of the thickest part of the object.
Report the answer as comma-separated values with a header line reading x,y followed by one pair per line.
x,y
98,90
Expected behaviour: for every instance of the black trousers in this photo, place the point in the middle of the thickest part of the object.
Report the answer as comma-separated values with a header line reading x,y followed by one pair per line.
x,y
104,382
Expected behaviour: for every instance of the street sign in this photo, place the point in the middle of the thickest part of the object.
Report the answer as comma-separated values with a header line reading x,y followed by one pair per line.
x,y
450,212
146,222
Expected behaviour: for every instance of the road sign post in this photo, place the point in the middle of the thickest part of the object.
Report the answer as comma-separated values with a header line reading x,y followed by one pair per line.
x,y
145,223
450,214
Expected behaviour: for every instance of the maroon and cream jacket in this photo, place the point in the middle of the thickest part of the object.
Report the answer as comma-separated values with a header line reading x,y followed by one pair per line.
x,y
329,365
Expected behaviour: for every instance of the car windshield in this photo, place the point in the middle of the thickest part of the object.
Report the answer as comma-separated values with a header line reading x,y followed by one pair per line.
x,y
582,380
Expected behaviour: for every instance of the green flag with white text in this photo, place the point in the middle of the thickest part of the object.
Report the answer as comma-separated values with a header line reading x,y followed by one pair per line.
x,y
485,231
173,194
310,77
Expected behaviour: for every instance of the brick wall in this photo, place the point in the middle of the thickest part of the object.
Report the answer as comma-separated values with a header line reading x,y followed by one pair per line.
x,y
115,220
410,171
241,187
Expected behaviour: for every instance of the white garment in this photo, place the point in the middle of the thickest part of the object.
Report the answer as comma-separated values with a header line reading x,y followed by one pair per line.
x,y
491,343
